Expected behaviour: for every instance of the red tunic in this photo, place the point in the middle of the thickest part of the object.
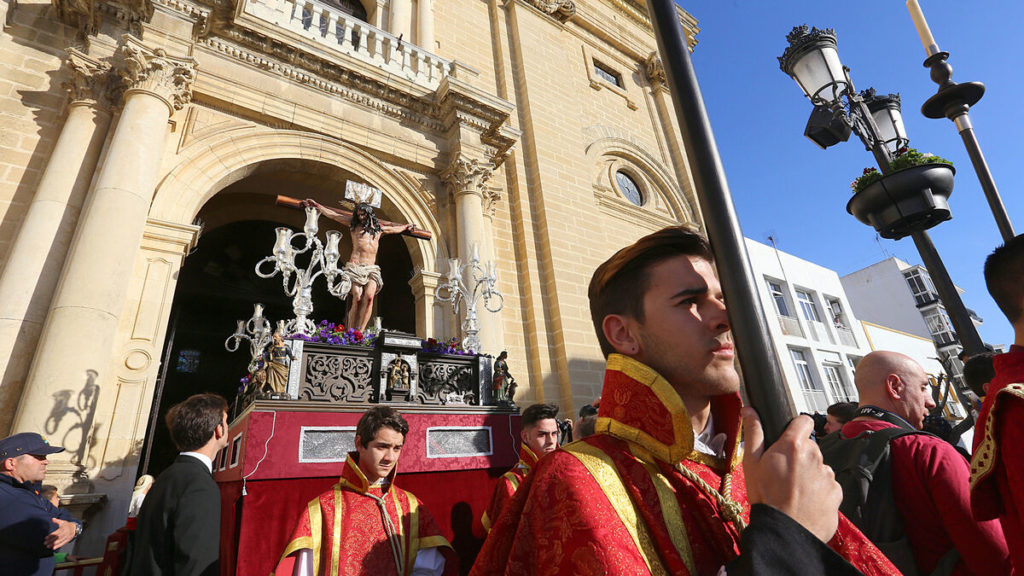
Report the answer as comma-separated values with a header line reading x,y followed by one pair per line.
x,y
507,486
348,534
997,464
930,489
636,498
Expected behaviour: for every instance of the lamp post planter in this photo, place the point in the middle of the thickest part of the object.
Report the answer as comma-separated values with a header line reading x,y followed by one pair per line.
x,y
908,200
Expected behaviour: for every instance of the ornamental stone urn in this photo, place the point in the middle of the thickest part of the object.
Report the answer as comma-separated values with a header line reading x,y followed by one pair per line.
x,y
907,201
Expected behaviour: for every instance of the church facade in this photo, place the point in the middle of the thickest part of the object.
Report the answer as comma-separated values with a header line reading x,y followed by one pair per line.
x,y
142,144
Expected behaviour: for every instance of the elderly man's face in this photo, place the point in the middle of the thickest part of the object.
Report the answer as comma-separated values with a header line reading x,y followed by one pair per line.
x,y
26,468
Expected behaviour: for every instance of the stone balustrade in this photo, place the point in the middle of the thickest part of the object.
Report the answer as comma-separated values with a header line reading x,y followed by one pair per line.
x,y
333,30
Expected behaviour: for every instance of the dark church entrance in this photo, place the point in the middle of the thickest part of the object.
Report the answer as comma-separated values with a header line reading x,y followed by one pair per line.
x,y
217,286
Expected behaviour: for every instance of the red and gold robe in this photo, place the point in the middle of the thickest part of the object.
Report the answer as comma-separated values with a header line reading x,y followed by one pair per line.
x,y
997,464
636,498
507,486
348,534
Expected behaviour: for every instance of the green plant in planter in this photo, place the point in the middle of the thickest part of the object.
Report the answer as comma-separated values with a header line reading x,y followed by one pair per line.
x,y
905,158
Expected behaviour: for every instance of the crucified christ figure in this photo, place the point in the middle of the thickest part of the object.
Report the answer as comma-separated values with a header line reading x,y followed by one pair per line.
x,y
361,270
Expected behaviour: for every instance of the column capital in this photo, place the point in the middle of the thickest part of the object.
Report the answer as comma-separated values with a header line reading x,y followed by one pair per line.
x,y
424,282
491,195
655,70
153,71
91,82
465,175
560,10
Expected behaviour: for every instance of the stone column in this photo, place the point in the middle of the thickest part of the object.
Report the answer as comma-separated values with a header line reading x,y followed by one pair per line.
x,y
401,19
425,23
76,350
424,287
465,179
37,255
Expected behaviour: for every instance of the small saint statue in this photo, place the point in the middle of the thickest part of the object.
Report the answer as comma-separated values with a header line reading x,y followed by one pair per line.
x,y
502,382
278,358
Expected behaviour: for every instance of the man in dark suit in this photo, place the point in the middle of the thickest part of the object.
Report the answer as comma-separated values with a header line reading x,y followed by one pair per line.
x,y
179,524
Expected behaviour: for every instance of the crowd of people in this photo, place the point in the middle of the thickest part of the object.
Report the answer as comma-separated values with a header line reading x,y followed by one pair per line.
x,y
657,481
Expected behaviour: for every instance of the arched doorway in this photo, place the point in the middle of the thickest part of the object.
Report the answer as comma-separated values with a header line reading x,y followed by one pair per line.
x,y
217,285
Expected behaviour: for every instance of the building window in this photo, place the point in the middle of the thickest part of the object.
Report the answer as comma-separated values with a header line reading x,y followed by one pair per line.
x,y
940,327
779,297
607,74
188,361
921,285
629,188
803,371
836,384
807,307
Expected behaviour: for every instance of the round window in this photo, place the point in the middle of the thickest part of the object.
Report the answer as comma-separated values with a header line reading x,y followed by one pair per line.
x,y
629,188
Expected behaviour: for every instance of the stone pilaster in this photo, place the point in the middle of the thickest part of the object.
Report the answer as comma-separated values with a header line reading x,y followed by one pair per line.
x,y
78,346
37,255
401,19
425,24
424,286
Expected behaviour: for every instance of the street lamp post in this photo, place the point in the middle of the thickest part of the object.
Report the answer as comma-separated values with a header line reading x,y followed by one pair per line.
x,y
812,59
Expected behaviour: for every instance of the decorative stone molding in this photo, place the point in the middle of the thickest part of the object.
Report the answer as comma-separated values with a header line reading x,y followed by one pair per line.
x,y
152,71
655,70
82,15
560,10
467,176
91,81
461,105
491,195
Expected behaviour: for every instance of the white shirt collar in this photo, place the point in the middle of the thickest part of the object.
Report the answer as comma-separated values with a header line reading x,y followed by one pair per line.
x,y
707,442
202,458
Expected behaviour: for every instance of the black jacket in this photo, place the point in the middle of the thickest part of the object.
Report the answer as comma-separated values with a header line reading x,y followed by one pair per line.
x,y
178,527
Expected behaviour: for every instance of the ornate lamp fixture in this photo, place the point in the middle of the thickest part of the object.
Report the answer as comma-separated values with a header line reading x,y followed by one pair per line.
x,y
481,285
257,332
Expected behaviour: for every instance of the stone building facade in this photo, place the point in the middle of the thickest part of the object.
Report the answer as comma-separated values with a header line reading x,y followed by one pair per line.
x,y
537,132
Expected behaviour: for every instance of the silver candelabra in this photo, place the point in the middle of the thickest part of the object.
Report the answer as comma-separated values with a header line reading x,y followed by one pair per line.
x,y
455,292
322,261
257,332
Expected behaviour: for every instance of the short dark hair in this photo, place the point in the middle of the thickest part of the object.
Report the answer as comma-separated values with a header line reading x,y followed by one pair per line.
x,y
978,371
843,411
376,418
193,422
539,412
619,284
1004,277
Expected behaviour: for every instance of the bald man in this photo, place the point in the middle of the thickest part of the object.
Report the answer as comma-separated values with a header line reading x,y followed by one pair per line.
x,y
930,479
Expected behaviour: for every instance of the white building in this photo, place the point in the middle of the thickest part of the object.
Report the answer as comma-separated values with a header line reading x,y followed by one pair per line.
x,y
901,296
816,336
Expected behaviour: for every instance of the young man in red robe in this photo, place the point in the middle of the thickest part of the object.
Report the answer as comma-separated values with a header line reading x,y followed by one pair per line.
x,y
997,462
539,437
365,524
659,489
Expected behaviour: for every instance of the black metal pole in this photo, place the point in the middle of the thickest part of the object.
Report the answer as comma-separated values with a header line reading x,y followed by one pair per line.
x,y
988,184
762,374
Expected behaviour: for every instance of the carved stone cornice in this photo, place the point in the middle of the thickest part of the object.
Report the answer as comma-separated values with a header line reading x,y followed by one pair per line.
x,y
491,196
461,105
655,70
560,10
91,82
467,175
152,71
82,15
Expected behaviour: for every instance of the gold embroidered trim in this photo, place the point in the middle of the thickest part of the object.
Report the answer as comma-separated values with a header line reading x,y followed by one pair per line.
x,y
336,540
985,456
669,508
414,530
603,470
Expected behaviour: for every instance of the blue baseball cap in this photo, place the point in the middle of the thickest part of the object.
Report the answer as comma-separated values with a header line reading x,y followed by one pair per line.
x,y
26,443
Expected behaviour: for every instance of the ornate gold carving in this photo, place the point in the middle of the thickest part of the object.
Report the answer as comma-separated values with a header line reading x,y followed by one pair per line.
x,y
152,71
560,10
655,69
91,81
467,176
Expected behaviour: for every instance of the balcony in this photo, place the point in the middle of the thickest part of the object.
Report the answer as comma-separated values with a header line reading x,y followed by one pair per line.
x,y
790,326
816,401
818,332
332,32
846,337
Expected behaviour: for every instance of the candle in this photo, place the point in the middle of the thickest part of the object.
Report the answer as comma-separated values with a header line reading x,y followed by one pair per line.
x,y
476,252
930,46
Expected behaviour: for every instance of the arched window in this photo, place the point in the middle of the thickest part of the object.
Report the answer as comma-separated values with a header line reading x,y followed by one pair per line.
x,y
629,188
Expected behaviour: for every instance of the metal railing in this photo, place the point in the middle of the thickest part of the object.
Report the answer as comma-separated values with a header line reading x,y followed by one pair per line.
x,y
336,31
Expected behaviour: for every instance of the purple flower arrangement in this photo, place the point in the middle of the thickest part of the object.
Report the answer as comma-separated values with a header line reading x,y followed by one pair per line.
x,y
453,346
337,335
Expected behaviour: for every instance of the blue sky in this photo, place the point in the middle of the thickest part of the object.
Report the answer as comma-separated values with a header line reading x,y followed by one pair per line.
x,y
785,186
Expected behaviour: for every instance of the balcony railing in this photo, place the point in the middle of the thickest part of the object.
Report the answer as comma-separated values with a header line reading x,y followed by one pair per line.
x,y
816,400
335,31
846,337
818,332
790,326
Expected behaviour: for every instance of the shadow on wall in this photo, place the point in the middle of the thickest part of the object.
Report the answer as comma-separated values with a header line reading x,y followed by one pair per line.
x,y
464,542
73,414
